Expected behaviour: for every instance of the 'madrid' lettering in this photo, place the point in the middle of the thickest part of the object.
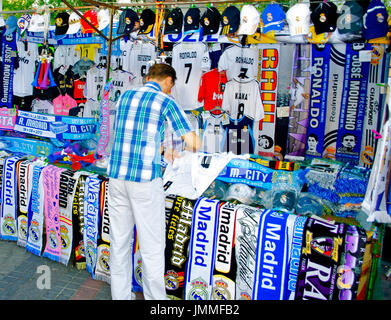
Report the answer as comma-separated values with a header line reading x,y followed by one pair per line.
x,y
92,210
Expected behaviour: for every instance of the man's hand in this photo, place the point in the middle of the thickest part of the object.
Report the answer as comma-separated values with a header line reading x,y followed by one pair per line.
x,y
171,154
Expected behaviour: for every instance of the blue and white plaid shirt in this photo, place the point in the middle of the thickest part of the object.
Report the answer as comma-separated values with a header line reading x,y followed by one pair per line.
x,y
139,131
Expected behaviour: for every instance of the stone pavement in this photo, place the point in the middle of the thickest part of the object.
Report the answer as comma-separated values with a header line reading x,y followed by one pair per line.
x,y
23,276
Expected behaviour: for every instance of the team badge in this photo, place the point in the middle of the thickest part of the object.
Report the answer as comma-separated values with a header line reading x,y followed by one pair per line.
x,y
198,292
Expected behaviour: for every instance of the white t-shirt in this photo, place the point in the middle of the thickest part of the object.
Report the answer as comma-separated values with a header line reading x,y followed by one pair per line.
x,y
212,132
95,81
42,106
242,97
24,75
237,60
65,55
139,59
189,60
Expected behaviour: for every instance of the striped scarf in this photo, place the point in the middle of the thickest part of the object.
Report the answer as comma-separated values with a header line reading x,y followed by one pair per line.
x,y
23,182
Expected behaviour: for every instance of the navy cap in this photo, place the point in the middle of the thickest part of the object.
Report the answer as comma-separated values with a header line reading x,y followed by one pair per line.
x,y
147,21
192,20
230,20
210,21
174,22
127,20
375,20
324,17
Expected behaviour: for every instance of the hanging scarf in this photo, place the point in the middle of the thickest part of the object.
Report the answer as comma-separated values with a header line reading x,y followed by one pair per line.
x,y
9,197
35,217
51,184
91,221
296,226
247,224
202,248
272,256
68,180
78,222
23,183
225,263
102,270
8,49
179,213
322,247
104,121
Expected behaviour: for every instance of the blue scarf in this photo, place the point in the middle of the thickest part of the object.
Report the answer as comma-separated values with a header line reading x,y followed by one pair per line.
x,y
8,49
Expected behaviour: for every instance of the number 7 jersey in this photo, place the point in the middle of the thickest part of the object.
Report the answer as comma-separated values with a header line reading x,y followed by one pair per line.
x,y
189,61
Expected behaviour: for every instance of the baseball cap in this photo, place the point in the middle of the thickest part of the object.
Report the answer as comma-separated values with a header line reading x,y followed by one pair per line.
x,y
127,21
173,22
62,23
350,18
92,17
147,21
192,20
11,24
74,23
37,23
273,18
324,17
375,24
103,18
249,20
298,18
23,22
210,21
230,20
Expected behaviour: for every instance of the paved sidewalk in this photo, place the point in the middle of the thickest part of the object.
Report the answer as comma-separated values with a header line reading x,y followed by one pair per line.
x,y
22,274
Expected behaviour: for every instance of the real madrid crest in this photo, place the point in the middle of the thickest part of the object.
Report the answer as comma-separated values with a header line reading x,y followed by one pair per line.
x,y
198,292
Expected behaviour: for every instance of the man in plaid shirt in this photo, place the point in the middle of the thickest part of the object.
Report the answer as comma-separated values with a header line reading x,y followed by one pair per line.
x,y
136,195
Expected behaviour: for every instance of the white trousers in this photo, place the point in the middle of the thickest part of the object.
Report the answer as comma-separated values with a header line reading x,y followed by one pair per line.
x,y
140,204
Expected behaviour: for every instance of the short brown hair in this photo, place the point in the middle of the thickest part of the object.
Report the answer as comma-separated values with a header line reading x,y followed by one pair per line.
x,y
160,71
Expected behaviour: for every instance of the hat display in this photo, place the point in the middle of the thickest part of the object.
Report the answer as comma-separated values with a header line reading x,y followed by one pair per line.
x,y
192,20
210,21
103,18
92,17
147,21
350,18
23,22
375,24
74,23
62,23
37,23
298,18
127,21
249,20
173,22
230,20
273,18
11,24
324,17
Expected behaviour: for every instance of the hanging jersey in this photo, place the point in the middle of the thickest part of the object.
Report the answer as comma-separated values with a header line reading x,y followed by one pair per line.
x,y
122,81
63,76
42,106
211,90
65,55
78,91
239,138
213,132
239,61
91,109
95,81
139,60
123,61
88,50
243,98
24,75
189,61
63,103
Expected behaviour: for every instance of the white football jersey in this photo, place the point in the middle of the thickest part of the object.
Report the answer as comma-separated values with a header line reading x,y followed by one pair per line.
x,y
239,61
213,132
243,98
189,60
24,75
65,55
95,81
42,106
139,60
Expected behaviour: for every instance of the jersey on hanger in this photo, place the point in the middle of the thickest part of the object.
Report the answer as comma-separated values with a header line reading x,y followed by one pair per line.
x,y
95,81
239,61
239,138
189,61
213,132
242,97
212,89
139,60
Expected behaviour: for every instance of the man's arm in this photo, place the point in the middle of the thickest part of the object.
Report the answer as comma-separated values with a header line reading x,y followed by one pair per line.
x,y
192,141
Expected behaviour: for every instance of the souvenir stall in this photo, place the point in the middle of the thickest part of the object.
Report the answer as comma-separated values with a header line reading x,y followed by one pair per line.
x,y
288,197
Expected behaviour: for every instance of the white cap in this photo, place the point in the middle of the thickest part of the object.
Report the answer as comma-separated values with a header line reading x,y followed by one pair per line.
x,y
74,23
37,23
103,18
299,19
249,20
2,22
